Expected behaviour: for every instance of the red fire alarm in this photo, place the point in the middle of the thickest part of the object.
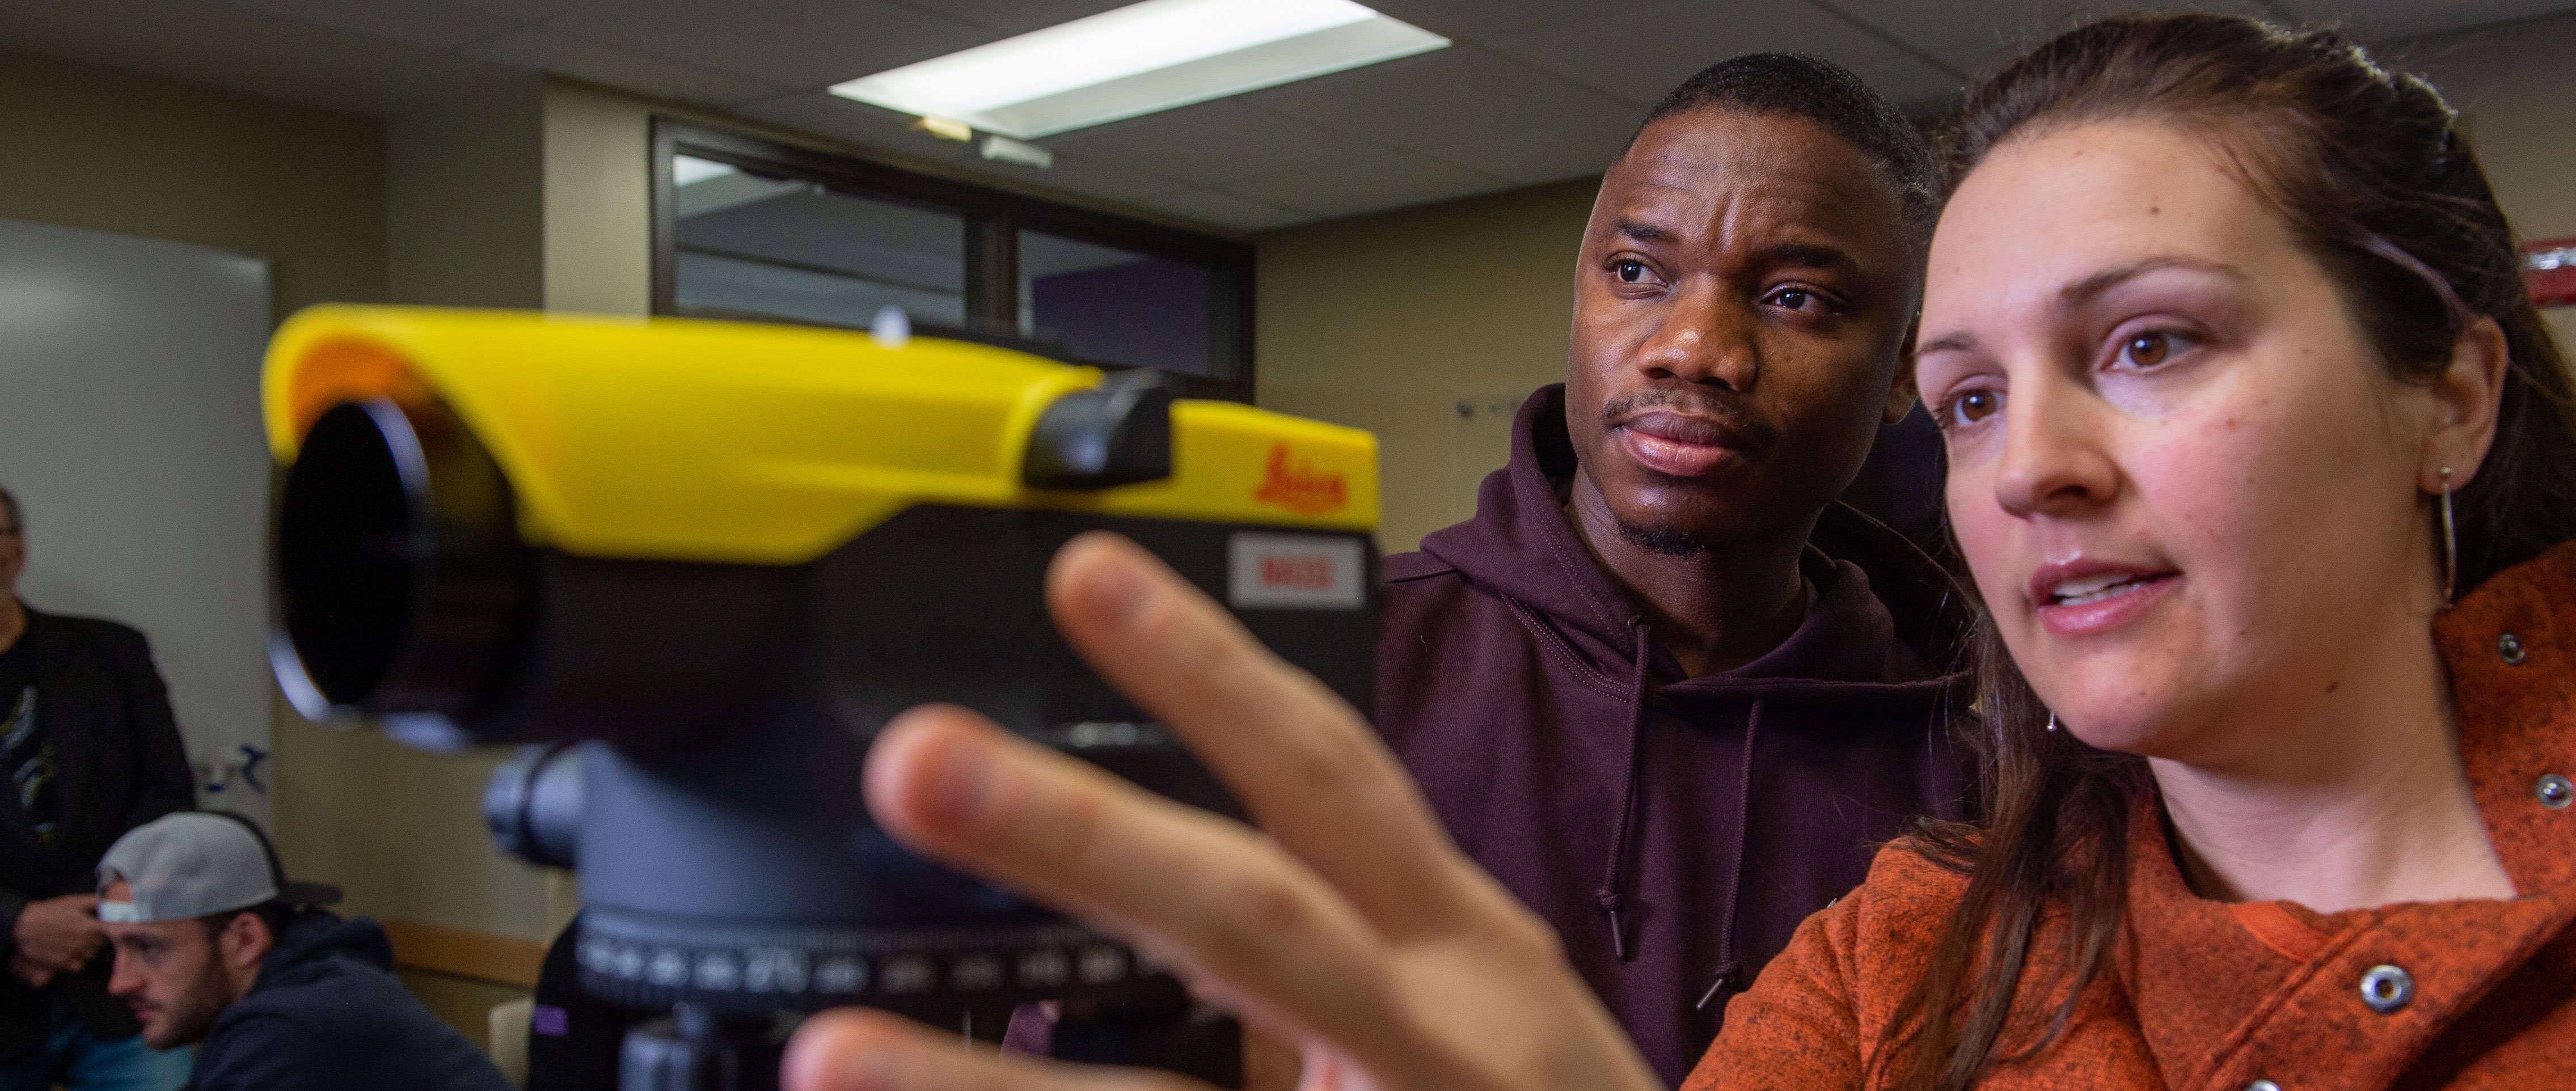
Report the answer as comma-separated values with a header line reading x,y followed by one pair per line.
x,y
2549,266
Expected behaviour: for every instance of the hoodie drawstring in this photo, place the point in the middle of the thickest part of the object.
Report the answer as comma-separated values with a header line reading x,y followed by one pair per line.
x,y
1613,895
1730,969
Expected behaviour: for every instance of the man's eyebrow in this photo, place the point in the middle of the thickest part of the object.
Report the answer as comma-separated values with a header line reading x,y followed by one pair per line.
x,y
1948,342
1808,255
2088,289
1642,232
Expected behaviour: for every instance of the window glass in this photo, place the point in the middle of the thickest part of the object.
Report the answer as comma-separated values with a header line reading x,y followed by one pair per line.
x,y
760,246
1105,305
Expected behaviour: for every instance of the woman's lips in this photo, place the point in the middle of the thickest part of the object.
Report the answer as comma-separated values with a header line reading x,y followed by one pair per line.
x,y
2072,602
1679,446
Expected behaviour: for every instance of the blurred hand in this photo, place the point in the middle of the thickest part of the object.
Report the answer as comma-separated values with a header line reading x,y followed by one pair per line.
x,y
60,934
24,969
1349,925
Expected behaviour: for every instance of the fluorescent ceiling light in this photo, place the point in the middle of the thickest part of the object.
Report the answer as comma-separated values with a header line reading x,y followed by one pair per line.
x,y
1139,59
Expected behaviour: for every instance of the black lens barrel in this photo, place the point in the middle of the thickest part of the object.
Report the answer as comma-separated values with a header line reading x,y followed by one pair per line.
x,y
402,586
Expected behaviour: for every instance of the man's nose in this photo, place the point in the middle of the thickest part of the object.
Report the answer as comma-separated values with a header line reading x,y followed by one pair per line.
x,y
1706,336
125,979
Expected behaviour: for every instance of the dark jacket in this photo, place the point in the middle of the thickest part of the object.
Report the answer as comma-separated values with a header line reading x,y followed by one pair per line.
x,y
101,703
1705,816
327,1014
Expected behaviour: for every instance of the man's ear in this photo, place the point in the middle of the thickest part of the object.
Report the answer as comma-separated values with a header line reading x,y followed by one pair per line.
x,y
2466,398
245,941
1901,394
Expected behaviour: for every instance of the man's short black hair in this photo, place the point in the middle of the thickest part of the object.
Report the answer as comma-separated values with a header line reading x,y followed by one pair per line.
x,y
10,501
275,915
1829,95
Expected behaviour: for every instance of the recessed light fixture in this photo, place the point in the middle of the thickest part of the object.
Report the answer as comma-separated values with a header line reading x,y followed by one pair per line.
x,y
946,128
1139,59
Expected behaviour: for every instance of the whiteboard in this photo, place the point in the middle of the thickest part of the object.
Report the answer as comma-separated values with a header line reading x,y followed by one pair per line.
x,y
130,432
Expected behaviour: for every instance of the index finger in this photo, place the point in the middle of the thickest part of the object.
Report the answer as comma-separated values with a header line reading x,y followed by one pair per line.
x,y
1312,773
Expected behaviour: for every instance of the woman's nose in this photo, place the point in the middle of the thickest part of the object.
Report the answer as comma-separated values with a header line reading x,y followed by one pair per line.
x,y
2056,462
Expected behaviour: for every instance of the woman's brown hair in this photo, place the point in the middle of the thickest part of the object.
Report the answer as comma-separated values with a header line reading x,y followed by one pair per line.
x,y
2375,181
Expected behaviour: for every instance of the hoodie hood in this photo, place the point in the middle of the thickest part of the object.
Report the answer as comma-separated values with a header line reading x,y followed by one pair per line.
x,y
314,936
1886,615
1673,830
327,1012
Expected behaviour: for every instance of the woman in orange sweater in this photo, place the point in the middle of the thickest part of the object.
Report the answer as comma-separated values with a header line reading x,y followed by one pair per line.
x,y
2242,391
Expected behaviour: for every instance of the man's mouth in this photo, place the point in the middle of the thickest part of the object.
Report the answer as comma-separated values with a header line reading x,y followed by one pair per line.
x,y
1682,445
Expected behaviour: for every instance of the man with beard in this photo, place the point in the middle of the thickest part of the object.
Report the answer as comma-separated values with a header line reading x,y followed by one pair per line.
x,y
215,947
1663,685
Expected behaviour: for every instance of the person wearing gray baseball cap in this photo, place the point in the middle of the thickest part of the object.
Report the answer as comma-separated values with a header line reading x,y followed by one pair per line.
x,y
216,947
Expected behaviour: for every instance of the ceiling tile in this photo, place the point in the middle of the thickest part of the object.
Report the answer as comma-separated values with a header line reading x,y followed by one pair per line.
x,y
1225,210
1640,55
794,43
1534,159
1095,178
892,134
1966,36
547,51
1975,36
423,23
522,11
1488,20
287,59
1460,95
1213,143
1394,180
2378,20
858,123
1017,16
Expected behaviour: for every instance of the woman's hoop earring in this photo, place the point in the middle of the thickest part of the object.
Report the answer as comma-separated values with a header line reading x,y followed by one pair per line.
x,y
2450,544
2052,721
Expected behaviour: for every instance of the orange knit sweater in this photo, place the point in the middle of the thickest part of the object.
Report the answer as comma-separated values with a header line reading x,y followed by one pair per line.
x,y
2217,996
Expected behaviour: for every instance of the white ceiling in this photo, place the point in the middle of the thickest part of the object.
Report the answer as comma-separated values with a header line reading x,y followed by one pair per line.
x,y
1534,90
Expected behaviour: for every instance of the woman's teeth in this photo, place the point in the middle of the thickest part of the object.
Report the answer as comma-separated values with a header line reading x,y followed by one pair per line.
x,y
2092,589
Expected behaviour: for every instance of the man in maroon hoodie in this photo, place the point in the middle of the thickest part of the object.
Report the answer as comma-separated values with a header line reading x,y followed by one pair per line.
x,y
1663,685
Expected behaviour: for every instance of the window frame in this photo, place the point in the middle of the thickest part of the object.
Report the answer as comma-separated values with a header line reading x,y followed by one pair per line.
x,y
994,219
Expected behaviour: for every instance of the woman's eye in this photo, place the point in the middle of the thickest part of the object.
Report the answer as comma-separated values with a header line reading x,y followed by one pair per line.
x,y
1971,406
2149,349
1629,270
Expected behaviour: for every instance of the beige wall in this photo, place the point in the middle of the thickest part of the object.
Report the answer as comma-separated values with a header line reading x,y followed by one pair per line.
x,y
2510,83
598,186
139,155
1385,322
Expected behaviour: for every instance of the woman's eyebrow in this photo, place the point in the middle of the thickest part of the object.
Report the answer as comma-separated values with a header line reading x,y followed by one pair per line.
x,y
1948,342
2075,296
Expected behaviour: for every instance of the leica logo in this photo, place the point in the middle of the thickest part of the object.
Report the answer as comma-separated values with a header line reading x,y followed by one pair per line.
x,y
1299,573
1298,486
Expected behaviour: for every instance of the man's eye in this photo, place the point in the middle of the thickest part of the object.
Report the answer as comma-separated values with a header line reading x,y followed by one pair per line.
x,y
1970,406
1629,270
1801,300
